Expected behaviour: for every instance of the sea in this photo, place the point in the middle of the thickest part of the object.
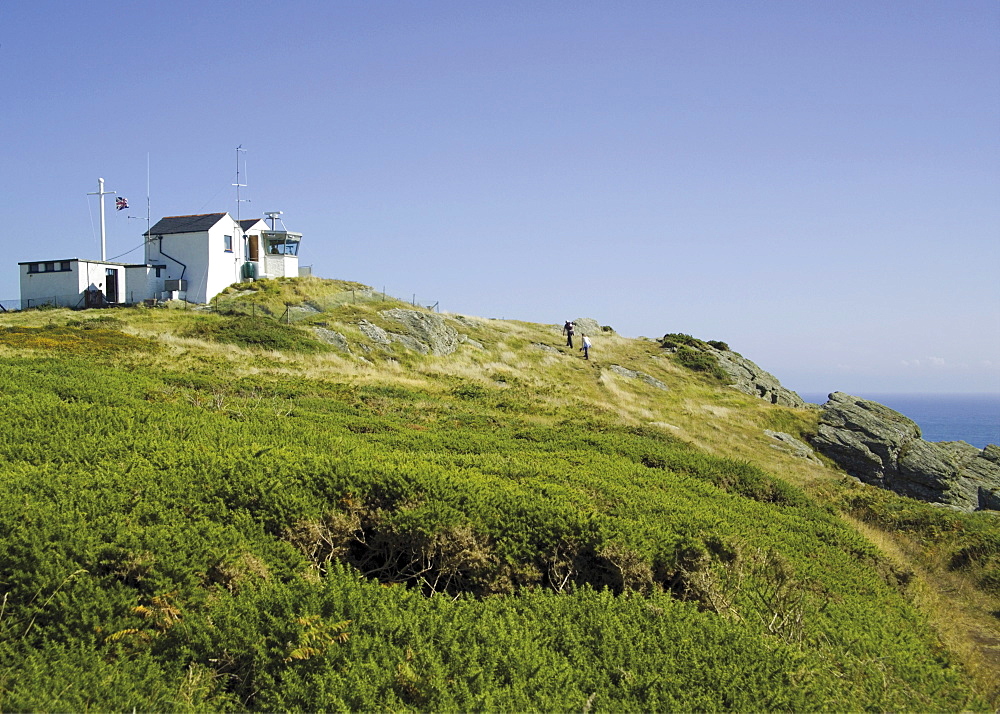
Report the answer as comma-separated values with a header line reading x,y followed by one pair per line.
x,y
973,418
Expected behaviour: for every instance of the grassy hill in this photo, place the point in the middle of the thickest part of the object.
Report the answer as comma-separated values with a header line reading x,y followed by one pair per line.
x,y
211,510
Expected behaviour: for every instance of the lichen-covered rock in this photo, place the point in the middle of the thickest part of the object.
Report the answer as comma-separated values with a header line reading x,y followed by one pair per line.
x,y
332,337
633,374
374,332
425,332
466,340
882,447
545,348
748,378
791,445
587,326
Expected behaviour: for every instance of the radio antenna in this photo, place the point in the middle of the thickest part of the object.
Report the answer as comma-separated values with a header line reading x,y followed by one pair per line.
x,y
139,218
238,185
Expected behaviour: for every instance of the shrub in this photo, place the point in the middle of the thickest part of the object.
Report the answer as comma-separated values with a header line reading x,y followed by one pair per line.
x,y
674,340
698,361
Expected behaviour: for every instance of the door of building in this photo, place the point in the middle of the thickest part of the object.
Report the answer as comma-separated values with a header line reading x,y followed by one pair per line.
x,y
111,284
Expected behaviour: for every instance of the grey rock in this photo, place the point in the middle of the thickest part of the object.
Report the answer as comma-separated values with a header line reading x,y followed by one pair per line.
x,y
466,340
791,445
884,448
587,326
748,378
428,329
633,374
374,333
545,348
332,337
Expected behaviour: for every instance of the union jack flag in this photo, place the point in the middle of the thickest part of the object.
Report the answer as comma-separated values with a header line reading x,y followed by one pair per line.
x,y
121,203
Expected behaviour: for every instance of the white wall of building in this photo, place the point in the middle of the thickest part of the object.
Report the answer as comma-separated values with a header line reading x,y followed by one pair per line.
x,y
183,254
281,266
223,265
60,287
66,287
143,283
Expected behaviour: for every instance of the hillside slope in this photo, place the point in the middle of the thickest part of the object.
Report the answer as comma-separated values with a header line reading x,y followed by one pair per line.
x,y
224,510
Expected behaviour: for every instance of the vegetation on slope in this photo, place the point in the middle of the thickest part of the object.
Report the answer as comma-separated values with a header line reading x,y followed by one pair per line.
x,y
192,525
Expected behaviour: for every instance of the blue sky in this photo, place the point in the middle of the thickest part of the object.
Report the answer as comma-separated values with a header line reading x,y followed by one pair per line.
x,y
816,183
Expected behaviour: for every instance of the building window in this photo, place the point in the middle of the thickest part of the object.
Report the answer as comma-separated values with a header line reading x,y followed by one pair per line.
x,y
159,270
32,267
64,265
228,240
50,267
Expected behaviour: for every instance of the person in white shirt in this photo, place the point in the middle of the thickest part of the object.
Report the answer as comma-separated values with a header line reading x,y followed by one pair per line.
x,y
586,347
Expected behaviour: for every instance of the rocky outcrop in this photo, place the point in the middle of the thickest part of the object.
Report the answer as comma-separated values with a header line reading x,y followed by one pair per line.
x,y
425,332
587,326
748,378
642,376
884,448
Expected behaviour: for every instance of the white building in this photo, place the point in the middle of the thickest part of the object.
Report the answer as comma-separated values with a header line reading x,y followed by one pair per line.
x,y
192,258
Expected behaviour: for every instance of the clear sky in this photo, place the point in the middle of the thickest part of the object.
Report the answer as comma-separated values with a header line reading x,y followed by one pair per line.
x,y
816,183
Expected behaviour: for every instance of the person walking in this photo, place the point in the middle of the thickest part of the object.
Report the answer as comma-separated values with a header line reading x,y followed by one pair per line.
x,y
586,347
568,329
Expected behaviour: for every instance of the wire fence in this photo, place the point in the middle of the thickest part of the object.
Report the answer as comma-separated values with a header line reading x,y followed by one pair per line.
x,y
74,301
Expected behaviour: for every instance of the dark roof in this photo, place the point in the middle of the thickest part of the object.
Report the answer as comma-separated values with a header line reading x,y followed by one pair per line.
x,y
185,224
246,223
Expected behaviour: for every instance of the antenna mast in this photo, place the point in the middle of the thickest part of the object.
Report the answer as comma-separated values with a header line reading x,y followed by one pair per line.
x,y
238,185
145,252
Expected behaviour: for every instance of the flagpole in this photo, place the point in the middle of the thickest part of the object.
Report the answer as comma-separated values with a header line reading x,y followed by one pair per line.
x,y
101,193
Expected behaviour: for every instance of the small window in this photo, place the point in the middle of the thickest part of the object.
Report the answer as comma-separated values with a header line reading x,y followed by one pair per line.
x,y
159,270
32,267
64,265
228,240
50,267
